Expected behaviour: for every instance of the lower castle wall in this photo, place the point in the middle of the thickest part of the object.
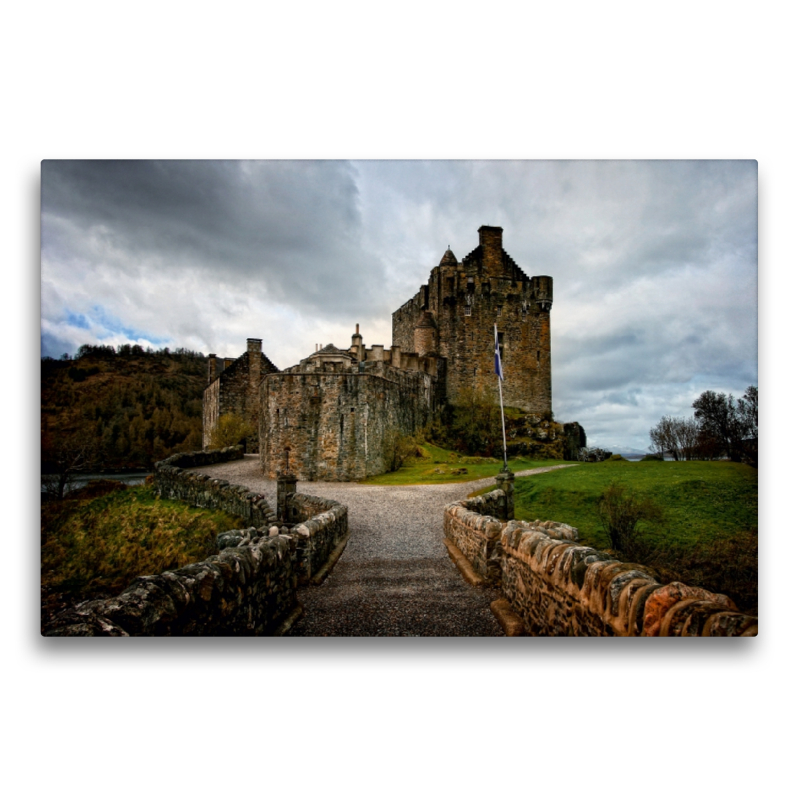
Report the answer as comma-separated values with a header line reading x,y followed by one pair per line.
x,y
561,588
248,589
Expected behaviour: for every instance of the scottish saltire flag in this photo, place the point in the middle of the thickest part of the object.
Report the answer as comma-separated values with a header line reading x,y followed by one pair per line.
x,y
498,364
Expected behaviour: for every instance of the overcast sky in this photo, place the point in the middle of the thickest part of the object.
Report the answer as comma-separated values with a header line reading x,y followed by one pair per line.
x,y
654,264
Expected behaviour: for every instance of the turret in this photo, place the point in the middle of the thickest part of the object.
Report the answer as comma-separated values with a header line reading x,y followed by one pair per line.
x,y
542,292
425,334
449,259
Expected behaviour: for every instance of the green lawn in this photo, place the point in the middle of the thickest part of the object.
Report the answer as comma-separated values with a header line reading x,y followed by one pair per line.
x,y
437,465
702,500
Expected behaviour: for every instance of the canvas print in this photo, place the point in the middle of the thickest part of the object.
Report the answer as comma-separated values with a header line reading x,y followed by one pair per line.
x,y
399,398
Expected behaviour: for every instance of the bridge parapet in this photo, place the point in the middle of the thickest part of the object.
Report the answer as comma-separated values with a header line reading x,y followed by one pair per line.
x,y
560,587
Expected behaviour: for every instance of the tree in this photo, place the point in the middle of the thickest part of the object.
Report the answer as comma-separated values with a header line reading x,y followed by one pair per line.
x,y
675,436
663,438
230,430
729,428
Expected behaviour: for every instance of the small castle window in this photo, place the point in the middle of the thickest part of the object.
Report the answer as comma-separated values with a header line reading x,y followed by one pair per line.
x,y
467,311
498,310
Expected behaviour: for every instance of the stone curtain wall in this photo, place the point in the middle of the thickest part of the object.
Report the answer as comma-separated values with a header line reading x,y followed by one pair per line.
x,y
244,591
247,589
561,588
173,482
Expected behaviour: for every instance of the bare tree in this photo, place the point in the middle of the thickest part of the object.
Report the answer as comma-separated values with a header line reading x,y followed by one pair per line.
x,y
687,433
64,455
664,438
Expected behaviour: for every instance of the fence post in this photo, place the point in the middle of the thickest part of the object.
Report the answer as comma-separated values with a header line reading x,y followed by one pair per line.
x,y
287,486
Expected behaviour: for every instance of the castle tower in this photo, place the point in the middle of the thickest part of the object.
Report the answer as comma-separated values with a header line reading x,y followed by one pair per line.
x,y
455,314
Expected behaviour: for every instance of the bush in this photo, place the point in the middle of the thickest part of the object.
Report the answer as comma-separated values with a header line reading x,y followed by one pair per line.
x,y
230,430
621,513
397,448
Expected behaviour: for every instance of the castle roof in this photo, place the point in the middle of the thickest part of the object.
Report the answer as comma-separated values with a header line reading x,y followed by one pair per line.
x,y
448,259
331,350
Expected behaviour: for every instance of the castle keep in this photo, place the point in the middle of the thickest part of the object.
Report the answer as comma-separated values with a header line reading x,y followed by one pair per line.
x,y
454,314
336,414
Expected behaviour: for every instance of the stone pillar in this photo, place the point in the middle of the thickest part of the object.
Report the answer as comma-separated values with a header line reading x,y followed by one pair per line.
x,y
287,486
212,367
505,481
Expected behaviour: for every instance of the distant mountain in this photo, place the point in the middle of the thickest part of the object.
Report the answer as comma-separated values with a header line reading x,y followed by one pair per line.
x,y
623,450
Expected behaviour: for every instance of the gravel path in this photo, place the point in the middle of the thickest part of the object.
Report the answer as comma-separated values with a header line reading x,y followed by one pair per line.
x,y
395,577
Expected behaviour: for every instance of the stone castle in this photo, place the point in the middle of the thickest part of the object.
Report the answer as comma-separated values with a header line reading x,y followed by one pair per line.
x,y
335,415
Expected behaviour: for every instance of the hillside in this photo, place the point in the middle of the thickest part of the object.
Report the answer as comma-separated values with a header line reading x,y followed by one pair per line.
x,y
125,408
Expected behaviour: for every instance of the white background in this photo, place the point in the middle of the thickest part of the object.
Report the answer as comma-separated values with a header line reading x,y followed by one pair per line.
x,y
397,718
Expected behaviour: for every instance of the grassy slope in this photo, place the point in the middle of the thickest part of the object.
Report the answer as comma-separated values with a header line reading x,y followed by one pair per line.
x,y
703,500
437,465
98,546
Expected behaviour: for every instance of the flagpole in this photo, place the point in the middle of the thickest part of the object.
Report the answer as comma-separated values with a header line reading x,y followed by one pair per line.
x,y
499,369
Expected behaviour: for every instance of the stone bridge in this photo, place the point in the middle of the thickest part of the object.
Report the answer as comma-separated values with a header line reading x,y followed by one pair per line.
x,y
372,561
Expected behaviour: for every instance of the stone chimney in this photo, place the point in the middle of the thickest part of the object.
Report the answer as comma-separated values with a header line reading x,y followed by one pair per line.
x,y
491,241
252,401
357,346
212,367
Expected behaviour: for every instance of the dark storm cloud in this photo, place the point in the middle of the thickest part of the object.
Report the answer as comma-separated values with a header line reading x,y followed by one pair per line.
x,y
290,229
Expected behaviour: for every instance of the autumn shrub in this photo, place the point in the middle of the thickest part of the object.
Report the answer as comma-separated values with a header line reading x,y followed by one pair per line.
x,y
621,513
230,430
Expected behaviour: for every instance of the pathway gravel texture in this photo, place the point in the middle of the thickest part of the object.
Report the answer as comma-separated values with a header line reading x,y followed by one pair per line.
x,y
395,577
